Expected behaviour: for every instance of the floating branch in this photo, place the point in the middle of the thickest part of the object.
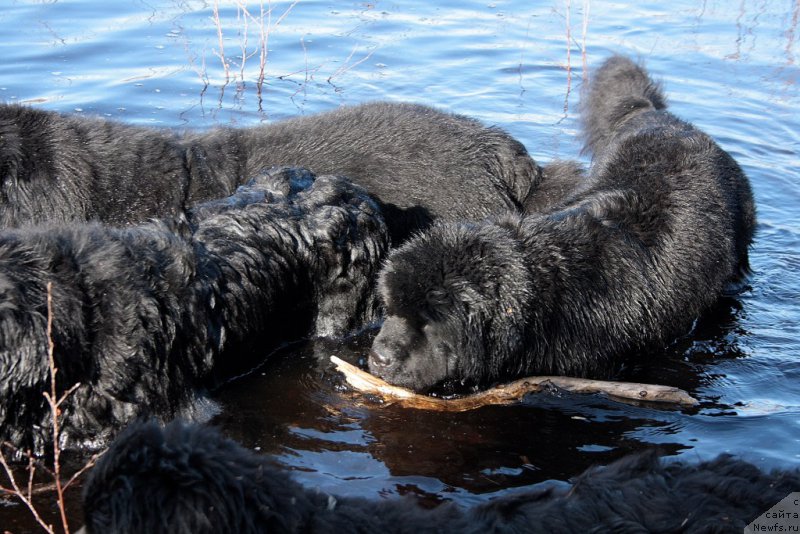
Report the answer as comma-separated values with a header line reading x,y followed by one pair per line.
x,y
508,393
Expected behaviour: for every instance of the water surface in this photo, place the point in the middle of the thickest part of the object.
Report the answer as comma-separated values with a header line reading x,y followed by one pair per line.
x,y
729,67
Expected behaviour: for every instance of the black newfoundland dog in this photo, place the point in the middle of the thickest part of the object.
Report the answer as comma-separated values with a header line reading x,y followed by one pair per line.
x,y
418,163
142,315
644,244
189,479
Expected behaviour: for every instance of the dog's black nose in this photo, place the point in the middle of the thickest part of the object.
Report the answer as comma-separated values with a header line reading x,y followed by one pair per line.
x,y
379,359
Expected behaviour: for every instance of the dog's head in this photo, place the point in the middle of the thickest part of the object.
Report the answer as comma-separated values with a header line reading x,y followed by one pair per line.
x,y
455,301
186,479
348,239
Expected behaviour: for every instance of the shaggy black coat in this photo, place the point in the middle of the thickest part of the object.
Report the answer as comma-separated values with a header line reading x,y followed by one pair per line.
x,y
142,315
189,479
418,163
645,244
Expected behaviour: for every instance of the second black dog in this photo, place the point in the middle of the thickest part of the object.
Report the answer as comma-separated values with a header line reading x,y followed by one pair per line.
x,y
418,163
626,263
141,316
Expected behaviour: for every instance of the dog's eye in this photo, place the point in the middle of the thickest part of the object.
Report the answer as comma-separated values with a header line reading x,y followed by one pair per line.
x,y
437,297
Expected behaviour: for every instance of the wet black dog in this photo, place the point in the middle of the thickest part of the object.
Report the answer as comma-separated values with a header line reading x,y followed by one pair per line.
x,y
660,226
418,163
189,479
142,315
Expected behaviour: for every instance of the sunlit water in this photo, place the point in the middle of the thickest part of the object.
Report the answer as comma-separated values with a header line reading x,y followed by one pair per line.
x,y
729,67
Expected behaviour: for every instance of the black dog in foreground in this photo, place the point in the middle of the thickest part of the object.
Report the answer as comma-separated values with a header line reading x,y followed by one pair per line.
x,y
648,242
142,315
189,479
418,163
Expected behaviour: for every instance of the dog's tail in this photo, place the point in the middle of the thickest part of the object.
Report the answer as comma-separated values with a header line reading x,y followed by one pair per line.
x,y
620,90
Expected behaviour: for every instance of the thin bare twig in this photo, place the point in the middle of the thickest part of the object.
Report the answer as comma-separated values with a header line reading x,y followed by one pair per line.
x,y
569,57
285,13
263,42
569,42
54,402
242,8
31,471
584,31
304,86
221,52
346,67
26,499
88,465
201,71
55,407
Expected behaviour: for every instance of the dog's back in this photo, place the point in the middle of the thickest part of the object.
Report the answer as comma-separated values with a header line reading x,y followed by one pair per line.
x,y
682,173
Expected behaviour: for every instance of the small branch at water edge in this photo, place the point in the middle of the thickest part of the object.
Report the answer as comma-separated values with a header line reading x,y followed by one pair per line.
x,y
25,493
508,393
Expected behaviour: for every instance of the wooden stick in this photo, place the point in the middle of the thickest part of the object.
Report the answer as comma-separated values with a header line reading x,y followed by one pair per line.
x,y
508,393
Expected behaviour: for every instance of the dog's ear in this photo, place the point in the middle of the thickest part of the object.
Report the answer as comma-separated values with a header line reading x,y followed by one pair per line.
x,y
431,276
456,295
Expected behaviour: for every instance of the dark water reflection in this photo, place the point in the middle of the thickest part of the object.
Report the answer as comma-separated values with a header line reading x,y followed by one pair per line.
x,y
298,409
730,67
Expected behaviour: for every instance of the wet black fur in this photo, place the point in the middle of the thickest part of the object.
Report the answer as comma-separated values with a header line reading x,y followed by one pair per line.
x,y
419,164
642,246
147,318
189,479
